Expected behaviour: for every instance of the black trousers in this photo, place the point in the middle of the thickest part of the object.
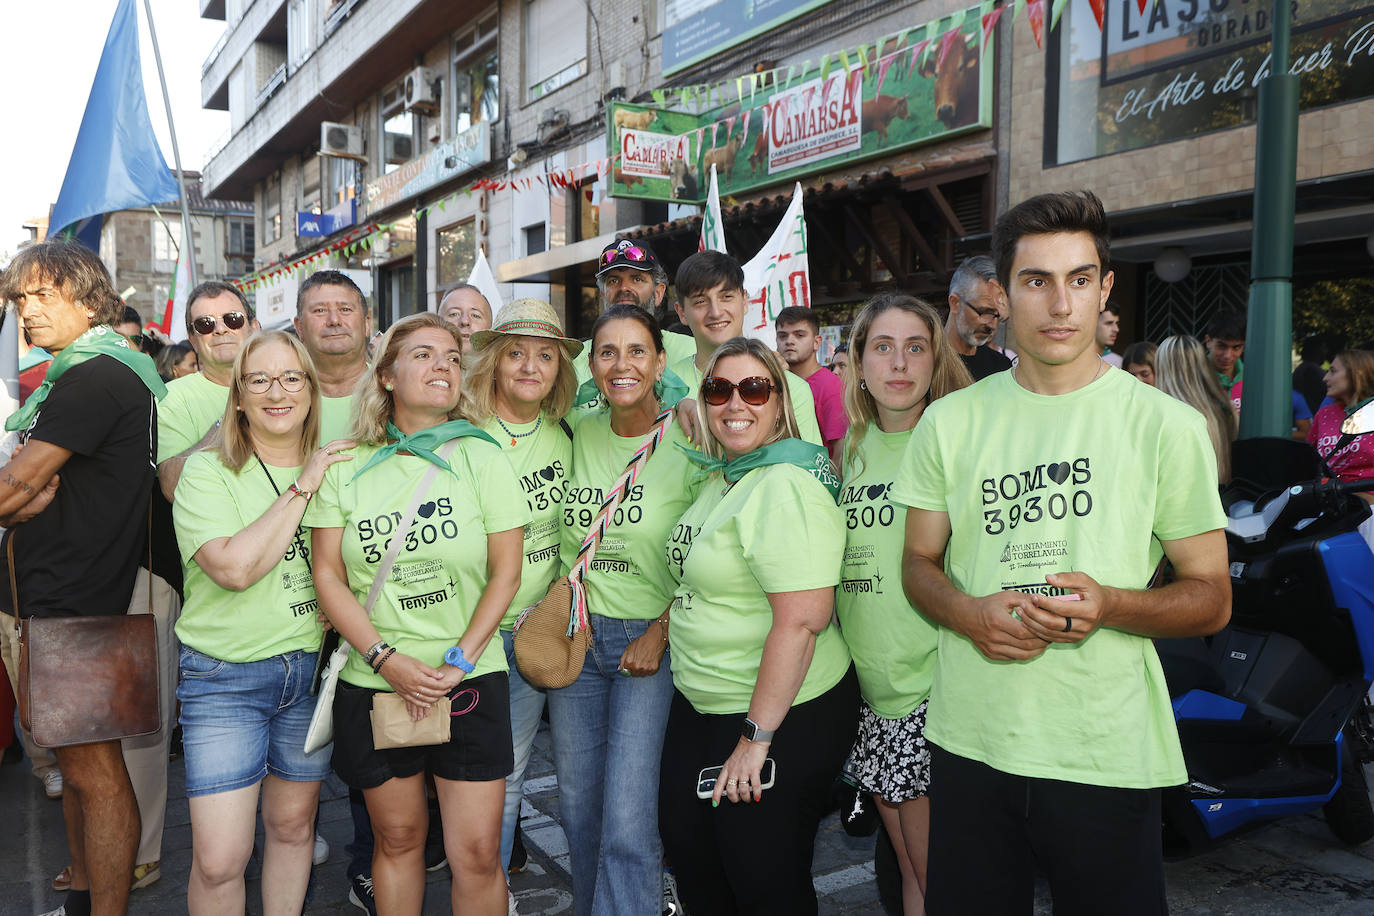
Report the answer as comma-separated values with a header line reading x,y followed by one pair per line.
x,y
752,858
1100,847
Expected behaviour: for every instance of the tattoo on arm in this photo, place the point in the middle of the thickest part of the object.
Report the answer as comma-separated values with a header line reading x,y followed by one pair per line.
x,y
17,484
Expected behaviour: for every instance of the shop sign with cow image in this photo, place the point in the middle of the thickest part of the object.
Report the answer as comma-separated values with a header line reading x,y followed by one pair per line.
x,y
900,100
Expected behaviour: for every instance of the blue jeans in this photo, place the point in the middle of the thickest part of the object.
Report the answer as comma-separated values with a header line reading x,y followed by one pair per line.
x,y
608,733
526,707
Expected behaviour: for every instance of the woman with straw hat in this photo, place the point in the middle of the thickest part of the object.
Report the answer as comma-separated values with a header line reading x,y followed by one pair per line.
x,y
518,387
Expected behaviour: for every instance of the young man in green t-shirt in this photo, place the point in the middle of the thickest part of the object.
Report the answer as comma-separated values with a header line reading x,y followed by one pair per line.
x,y
1040,501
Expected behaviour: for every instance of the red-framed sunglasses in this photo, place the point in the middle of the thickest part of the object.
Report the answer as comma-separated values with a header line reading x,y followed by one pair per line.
x,y
628,253
753,390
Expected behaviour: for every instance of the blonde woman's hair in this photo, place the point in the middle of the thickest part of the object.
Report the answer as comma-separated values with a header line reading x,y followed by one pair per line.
x,y
236,444
479,380
747,346
947,374
1359,365
1183,372
373,405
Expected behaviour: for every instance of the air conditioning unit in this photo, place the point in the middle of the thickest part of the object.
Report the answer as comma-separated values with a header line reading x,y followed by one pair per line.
x,y
342,140
399,148
421,91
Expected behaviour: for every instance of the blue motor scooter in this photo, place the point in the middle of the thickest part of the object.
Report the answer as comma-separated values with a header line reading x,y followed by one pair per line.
x,y
1273,711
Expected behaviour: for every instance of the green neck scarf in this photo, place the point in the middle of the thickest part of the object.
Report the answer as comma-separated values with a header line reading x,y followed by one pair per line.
x,y
1228,383
100,339
669,390
423,443
806,455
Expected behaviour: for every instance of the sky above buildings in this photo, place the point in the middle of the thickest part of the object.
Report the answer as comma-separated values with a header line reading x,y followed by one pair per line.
x,y
47,71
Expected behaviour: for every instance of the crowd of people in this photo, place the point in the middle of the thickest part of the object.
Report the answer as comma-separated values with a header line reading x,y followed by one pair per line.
x,y
924,569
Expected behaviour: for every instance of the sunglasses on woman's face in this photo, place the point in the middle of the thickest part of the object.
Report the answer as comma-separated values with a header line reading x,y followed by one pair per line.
x,y
753,390
205,324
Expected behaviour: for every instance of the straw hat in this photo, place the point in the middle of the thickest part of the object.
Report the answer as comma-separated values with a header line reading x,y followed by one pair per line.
x,y
527,318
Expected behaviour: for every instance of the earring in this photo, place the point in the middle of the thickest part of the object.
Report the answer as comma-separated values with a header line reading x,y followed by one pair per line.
x,y
388,386
863,386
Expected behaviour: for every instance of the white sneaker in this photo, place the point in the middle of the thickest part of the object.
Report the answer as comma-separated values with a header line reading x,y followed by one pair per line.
x,y
321,850
510,903
60,911
52,784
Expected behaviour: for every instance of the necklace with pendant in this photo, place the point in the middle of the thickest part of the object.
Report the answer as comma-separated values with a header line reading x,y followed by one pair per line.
x,y
514,436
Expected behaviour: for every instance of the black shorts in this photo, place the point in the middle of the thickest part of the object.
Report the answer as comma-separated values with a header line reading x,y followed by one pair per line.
x,y
478,751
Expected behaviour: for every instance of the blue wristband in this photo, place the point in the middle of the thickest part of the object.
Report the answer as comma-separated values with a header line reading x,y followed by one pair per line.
x,y
457,659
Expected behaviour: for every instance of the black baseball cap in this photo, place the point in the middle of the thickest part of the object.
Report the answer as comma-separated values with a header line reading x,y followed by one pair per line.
x,y
630,253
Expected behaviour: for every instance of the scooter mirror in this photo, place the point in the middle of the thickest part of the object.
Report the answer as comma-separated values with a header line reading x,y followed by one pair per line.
x,y
1359,422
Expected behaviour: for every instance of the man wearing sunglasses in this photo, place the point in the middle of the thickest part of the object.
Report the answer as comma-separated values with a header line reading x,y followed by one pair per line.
x,y
711,301
218,320
974,310
629,273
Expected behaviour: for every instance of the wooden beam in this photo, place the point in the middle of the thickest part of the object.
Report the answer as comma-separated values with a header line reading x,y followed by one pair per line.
x,y
817,227
937,264
893,264
946,210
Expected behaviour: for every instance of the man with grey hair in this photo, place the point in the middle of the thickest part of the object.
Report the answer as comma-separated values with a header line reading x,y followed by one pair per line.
x,y
464,305
975,307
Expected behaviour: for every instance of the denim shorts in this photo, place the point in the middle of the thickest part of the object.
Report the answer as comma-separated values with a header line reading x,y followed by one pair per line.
x,y
243,720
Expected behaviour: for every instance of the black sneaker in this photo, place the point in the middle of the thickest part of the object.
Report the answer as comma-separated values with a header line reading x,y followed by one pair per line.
x,y
435,858
360,893
672,906
519,857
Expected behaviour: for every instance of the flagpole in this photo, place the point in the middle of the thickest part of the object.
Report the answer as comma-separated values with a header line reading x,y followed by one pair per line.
x,y
188,236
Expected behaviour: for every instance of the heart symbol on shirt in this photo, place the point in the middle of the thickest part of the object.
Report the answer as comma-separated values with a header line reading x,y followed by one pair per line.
x,y
876,490
1058,472
548,473
427,509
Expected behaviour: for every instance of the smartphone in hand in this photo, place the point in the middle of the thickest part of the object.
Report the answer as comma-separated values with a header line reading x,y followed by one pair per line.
x,y
706,780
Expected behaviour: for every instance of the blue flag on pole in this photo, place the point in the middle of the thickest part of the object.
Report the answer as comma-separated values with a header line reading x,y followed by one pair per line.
x,y
116,163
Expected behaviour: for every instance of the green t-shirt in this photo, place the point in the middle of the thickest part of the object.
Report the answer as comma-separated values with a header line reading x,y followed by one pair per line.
x,y
440,573
775,530
893,644
274,615
192,405
334,417
803,401
1088,481
542,461
627,579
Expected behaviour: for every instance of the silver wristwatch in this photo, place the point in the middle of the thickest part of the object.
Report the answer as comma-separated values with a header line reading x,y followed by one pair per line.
x,y
752,732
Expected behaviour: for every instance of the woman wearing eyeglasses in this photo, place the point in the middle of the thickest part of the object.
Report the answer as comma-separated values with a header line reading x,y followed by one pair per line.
x,y
902,362
608,724
764,686
433,629
519,386
250,633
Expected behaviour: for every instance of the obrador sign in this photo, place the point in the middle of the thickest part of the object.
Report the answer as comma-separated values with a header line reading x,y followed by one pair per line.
x,y
906,93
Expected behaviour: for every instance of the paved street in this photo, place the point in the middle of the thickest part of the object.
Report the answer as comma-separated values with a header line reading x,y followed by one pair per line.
x,y
1293,867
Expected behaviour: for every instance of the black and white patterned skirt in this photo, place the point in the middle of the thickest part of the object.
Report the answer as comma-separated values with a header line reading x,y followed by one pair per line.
x,y
890,757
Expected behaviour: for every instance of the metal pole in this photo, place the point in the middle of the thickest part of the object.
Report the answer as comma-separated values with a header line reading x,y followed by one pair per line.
x,y
1266,408
187,236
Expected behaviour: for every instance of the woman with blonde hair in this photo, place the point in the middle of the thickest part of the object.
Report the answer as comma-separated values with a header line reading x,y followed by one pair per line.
x,y
519,386
1183,372
249,632
765,694
901,362
432,632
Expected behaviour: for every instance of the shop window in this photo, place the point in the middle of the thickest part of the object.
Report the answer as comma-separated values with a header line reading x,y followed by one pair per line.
x,y
399,130
457,246
555,45
476,75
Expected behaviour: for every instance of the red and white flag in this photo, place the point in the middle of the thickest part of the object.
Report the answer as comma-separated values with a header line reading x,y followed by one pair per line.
x,y
778,276
174,315
712,229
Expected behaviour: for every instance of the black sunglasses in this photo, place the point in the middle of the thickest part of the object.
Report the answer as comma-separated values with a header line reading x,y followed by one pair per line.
x,y
205,324
753,390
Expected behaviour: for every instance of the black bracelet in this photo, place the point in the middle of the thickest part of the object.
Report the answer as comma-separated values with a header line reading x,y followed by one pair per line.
x,y
377,668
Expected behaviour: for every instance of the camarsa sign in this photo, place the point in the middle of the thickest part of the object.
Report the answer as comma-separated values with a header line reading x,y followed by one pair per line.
x,y
905,93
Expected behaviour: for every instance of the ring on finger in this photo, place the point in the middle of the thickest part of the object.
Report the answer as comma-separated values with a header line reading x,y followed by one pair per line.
x,y
1068,624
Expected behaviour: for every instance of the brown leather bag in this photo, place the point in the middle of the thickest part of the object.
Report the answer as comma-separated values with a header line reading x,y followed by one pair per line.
x,y
86,679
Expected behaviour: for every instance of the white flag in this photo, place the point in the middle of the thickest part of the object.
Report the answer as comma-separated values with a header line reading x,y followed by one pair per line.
x,y
174,316
777,277
485,281
712,229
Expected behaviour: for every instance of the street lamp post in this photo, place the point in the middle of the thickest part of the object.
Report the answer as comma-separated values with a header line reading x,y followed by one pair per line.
x,y
1267,404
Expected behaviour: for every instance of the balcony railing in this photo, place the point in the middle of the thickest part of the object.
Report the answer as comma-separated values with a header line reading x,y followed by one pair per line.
x,y
274,82
214,52
340,11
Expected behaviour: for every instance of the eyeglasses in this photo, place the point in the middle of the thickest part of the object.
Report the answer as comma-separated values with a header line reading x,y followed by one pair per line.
x,y
261,382
986,314
629,253
205,324
753,390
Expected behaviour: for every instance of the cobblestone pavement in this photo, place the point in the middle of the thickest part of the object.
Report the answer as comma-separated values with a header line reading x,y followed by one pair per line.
x,y
1292,867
